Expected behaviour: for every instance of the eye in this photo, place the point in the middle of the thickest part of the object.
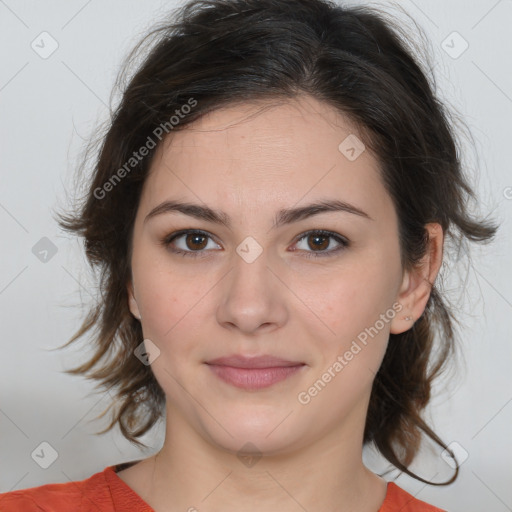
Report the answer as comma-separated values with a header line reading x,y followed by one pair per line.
x,y
191,242
319,241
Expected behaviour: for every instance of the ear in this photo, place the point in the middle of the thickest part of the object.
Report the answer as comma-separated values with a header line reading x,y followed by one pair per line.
x,y
132,303
417,282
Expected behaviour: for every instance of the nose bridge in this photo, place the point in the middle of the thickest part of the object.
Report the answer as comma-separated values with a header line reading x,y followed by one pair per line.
x,y
251,291
250,275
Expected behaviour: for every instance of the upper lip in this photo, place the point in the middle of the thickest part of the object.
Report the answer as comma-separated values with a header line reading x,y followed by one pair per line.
x,y
265,361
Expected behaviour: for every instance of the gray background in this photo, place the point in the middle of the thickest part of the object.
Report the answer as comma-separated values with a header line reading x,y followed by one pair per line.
x,y
48,106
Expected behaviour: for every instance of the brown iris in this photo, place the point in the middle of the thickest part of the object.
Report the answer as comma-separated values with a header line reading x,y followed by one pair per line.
x,y
320,245
191,241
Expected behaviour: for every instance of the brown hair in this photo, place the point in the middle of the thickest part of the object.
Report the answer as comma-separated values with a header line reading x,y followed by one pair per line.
x,y
217,52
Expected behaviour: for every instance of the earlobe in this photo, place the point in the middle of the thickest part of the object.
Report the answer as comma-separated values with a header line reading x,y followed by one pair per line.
x,y
417,282
132,303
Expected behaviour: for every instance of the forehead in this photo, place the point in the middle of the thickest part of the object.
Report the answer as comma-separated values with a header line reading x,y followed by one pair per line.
x,y
285,129
264,153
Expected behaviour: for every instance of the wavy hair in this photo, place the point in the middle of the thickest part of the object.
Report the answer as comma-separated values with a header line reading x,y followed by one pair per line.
x,y
221,52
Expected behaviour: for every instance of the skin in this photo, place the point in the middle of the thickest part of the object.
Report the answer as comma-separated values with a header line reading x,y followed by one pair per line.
x,y
250,163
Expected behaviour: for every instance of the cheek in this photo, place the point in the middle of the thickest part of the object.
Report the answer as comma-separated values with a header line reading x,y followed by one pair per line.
x,y
358,311
166,298
357,306
357,296
171,307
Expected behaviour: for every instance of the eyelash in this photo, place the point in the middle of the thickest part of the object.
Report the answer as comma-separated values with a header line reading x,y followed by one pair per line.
x,y
344,243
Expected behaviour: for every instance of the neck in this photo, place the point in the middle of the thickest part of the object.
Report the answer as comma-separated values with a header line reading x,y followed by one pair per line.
x,y
193,475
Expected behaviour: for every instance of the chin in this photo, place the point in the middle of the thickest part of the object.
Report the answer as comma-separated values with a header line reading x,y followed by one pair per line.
x,y
264,433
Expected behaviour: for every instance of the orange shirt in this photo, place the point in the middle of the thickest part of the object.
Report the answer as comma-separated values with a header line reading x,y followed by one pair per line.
x,y
106,492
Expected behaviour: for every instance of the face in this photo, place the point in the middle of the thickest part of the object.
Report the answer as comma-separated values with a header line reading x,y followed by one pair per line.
x,y
313,291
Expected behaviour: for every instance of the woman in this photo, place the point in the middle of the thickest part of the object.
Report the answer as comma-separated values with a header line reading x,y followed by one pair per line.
x,y
268,212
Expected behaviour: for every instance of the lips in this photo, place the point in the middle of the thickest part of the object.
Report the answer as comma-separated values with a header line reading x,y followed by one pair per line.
x,y
266,361
253,373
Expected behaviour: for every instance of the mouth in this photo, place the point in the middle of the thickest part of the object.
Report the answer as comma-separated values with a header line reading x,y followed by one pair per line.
x,y
253,373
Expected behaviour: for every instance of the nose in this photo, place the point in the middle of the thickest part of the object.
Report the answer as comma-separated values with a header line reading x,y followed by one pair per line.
x,y
253,296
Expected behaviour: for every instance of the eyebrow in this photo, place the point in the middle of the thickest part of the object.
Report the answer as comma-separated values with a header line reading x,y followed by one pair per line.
x,y
285,216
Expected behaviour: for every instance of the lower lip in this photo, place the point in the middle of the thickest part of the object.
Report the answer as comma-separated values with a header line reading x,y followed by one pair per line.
x,y
254,378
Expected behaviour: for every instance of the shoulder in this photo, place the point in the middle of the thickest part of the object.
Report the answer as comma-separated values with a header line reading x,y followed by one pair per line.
x,y
91,494
398,499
